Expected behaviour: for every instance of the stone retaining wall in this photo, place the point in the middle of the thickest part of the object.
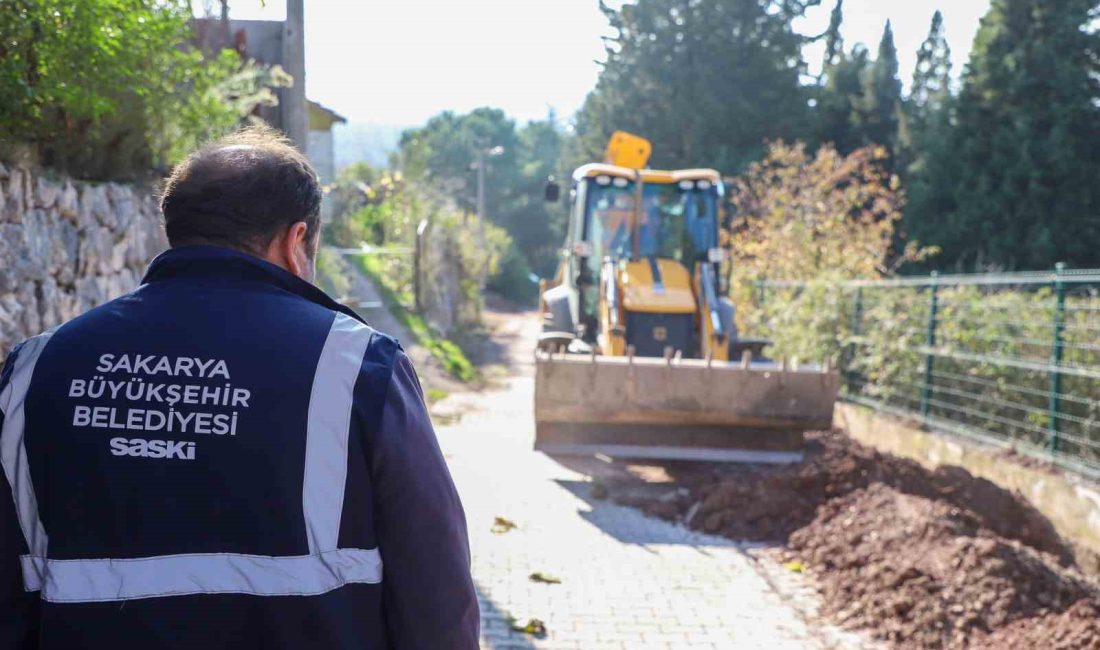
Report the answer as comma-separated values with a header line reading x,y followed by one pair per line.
x,y
67,246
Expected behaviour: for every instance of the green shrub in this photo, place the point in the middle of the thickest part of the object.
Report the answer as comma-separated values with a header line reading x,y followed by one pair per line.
x,y
111,89
815,218
333,273
381,209
451,356
512,279
994,344
823,219
804,323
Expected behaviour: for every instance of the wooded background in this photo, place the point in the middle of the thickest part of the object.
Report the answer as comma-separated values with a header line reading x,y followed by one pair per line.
x,y
995,167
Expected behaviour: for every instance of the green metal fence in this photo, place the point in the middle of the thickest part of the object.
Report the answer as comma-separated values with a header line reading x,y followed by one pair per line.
x,y
1010,358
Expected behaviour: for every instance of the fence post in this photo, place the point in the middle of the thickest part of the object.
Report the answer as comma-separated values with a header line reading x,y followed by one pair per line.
x,y
930,342
1056,352
418,252
760,289
855,325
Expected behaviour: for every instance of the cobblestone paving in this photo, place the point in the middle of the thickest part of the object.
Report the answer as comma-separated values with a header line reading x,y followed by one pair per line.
x,y
628,581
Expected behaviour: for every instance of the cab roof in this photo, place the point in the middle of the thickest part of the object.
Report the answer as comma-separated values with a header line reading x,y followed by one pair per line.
x,y
656,176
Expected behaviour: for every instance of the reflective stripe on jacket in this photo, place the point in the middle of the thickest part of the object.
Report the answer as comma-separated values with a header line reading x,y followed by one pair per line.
x,y
225,458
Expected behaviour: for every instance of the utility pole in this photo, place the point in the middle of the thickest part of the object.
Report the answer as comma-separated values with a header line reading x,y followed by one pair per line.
x,y
481,210
482,152
480,163
295,112
481,192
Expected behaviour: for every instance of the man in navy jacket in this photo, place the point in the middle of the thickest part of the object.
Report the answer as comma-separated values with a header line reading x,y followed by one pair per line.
x,y
226,457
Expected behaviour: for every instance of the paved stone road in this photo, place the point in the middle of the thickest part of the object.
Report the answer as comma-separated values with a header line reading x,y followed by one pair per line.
x,y
628,581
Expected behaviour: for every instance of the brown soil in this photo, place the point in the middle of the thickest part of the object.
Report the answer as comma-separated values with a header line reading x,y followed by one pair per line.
x,y
921,558
1077,628
924,573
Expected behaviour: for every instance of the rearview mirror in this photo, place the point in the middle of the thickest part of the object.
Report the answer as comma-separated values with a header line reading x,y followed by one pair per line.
x,y
553,191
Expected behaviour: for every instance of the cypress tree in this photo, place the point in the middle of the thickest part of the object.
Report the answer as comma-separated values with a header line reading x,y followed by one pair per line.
x,y
923,137
877,118
931,87
834,41
840,101
1015,183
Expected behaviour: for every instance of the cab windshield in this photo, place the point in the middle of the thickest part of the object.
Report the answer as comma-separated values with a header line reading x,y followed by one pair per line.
x,y
675,222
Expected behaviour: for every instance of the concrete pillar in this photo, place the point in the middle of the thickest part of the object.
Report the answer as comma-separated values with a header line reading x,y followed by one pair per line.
x,y
295,112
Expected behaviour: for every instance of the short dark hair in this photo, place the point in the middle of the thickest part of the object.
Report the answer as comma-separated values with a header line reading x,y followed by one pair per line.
x,y
240,192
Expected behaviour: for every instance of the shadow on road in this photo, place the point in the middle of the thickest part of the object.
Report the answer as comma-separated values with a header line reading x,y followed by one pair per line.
x,y
496,627
486,349
630,526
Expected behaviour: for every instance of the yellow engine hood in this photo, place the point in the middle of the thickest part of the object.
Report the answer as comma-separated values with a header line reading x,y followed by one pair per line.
x,y
672,294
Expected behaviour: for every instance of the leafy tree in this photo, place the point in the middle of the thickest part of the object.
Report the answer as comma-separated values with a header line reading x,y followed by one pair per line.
x,y
536,228
1016,176
111,88
444,152
802,215
819,218
706,82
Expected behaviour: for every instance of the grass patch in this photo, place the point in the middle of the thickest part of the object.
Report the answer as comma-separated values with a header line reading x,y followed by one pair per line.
x,y
444,350
436,395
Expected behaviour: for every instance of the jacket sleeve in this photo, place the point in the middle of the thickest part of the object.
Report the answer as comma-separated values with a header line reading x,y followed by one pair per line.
x,y
19,609
428,593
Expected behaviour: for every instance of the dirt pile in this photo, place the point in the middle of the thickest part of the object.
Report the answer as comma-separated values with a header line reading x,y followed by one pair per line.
x,y
924,573
921,558
770,503
1077,628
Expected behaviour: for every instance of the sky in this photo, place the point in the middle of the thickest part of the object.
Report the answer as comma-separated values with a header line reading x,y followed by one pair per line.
x,y
398,62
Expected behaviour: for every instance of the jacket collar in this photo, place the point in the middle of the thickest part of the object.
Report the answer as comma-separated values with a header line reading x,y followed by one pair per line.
x,y
192,262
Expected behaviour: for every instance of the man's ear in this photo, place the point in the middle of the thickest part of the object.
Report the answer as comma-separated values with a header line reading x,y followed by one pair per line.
x,y
296,250
292,250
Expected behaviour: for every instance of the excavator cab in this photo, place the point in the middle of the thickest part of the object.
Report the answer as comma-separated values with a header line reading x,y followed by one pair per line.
x,y
656,235
635,355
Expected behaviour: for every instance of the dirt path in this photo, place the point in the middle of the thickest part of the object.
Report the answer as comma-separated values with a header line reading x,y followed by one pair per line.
x,y
627,580
366,299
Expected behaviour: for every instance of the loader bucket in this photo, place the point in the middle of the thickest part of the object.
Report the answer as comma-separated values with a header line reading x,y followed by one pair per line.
x,y
678,409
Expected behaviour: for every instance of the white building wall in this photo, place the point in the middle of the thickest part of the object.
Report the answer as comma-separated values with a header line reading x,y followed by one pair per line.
x,y
319,148
320,151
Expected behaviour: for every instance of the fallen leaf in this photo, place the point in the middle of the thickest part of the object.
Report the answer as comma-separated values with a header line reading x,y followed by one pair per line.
x,y
533,626
539,576
502,525
795,566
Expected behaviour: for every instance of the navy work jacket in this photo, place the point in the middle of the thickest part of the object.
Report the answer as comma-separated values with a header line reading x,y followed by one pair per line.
x,y
225,458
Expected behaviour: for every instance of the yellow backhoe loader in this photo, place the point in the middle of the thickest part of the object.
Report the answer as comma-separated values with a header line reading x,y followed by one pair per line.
x,y
639,356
